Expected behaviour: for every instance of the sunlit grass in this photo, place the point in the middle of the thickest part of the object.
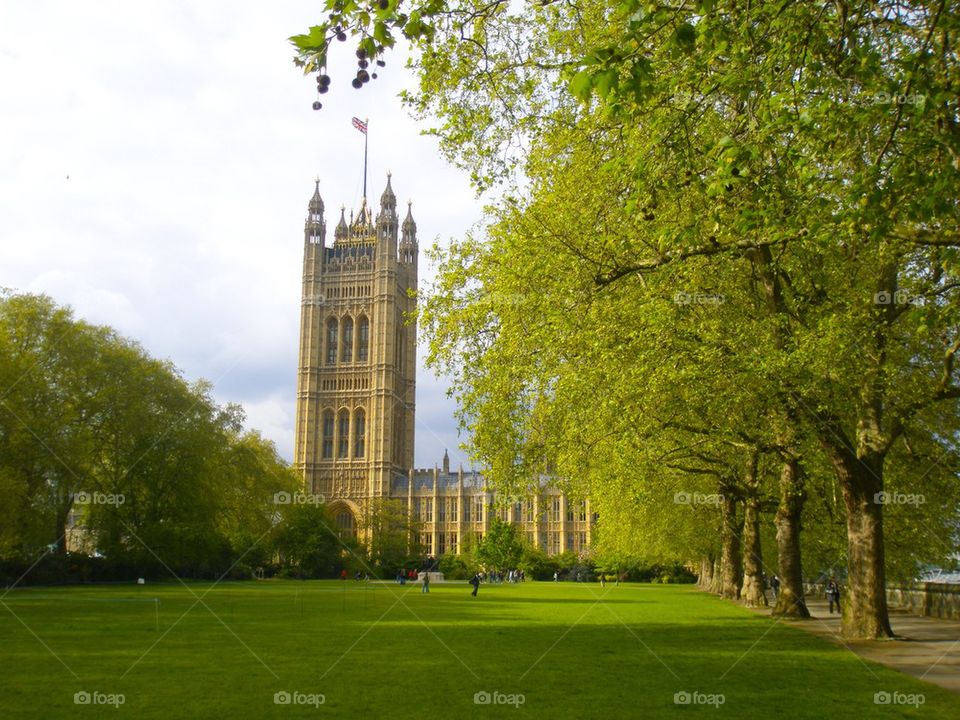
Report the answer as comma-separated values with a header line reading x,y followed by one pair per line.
x,y
565,650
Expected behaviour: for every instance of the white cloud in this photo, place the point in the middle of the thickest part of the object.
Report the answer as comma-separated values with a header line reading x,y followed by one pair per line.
x,y
155,165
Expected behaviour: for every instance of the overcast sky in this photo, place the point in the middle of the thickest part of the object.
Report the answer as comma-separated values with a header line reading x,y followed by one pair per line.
x,y
156,159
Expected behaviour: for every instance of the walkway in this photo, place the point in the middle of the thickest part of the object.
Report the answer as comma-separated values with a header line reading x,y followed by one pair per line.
x,y
926,648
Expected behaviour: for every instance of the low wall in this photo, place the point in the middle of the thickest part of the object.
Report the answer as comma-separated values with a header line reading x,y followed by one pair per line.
x,y
939,600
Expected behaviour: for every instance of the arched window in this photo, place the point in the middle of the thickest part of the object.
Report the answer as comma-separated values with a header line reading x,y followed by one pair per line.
x,y
345,524
363,339
343,434
328,434
331,341
347,334
359,433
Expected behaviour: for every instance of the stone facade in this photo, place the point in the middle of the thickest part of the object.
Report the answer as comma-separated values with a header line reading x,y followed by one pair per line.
x,y
356,392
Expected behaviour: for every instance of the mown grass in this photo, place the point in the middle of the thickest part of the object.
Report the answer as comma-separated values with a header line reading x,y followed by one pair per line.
x,y
380,651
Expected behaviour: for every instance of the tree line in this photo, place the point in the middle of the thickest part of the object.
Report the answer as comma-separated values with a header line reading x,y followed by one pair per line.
x,y
114,453
716,288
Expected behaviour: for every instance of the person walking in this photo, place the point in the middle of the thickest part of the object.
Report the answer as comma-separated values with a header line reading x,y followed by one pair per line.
x,y
603,580
833,594
426,583
475,581
775,584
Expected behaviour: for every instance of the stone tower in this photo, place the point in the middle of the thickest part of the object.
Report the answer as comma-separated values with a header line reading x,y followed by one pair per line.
x,y
357,368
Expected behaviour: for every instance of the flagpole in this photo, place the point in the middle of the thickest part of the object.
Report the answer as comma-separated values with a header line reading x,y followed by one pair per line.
x,y
366,136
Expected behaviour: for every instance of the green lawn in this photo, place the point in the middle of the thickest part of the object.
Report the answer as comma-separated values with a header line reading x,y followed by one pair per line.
x,y
373,651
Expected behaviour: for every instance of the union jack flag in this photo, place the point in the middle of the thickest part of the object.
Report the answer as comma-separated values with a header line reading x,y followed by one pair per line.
x,y
360,125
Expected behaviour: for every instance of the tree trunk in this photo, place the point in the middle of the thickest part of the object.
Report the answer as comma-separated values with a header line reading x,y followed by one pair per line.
x,y
705,578
753,590
790,600
865,614
715,577
731,569
753,583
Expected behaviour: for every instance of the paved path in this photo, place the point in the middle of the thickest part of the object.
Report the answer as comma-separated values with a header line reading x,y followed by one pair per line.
x,y
926,648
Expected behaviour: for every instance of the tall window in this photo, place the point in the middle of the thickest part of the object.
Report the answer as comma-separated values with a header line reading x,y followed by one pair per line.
x,y
363,339
429,509
328,434
347,334
583,511
466,511
331,341
345,527
343,434
359,433
478,514
453,513
555,511
529,510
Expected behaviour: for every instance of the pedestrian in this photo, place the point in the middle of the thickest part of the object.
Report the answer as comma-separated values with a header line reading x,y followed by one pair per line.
x,y
775,584
603,580
343,574
833,594
556,576
426,583
475,581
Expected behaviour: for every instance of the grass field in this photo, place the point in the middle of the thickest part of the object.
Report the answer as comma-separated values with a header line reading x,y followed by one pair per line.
x,y
358,650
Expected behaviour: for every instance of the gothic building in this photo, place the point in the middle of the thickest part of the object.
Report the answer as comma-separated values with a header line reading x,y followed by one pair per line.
x,y
356,392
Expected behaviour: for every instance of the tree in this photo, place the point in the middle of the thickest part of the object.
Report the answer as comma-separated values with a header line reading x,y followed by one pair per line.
x,y
501,548
306,541
392,536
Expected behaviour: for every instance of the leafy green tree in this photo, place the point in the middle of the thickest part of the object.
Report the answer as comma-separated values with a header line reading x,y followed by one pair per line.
x,y
501,548
391,535
306,541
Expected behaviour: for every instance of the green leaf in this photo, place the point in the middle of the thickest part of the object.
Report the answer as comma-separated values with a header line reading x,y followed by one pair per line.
x,y
581,85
